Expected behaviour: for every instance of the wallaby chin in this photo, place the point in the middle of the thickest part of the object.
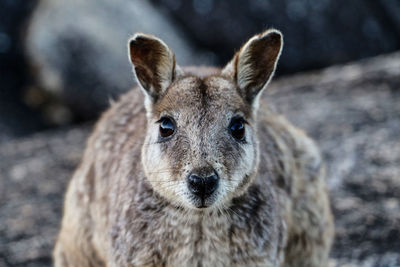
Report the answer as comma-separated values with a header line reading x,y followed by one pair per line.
x,y
188,171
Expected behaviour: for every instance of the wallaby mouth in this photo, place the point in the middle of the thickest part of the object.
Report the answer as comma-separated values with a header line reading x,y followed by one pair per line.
x,y
202,188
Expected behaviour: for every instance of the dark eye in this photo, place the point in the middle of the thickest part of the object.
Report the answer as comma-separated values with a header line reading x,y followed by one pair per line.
x,y
237,129
167,127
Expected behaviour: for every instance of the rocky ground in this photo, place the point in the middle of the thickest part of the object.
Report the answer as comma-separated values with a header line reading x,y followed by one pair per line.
x,y
353,112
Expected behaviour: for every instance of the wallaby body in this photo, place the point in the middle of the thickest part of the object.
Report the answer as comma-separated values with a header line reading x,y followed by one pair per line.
x,y
196,176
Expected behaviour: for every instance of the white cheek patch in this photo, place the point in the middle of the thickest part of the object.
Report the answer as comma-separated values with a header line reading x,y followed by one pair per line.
x,y
158,171
246,165
155,165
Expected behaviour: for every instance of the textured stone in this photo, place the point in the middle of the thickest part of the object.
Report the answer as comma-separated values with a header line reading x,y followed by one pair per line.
x,y
317,33
78,48
353,111
16,119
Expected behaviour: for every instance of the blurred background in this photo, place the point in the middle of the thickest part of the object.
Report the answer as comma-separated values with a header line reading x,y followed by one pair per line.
x,y
61,62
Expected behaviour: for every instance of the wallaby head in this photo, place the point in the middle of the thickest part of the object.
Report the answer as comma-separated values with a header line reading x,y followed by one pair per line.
x,y
201,146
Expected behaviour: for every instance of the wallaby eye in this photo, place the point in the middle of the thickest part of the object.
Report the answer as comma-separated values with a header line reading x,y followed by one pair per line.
x,y
237,129
167,127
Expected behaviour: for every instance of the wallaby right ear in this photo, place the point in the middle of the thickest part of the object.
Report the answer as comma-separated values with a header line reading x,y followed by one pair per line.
x,y
153,63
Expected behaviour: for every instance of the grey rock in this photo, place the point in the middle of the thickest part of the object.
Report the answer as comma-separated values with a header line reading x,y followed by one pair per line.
x,y
317,33
78,48
16,119
353,111
34,173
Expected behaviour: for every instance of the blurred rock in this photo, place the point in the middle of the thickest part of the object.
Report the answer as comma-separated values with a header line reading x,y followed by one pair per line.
x,y
34,173
317,33
78,48
16,118
353,112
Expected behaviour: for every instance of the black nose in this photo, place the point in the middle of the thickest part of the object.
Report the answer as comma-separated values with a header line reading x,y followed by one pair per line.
x,y
202,186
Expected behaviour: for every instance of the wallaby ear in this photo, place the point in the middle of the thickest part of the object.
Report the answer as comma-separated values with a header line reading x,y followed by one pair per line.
x,y
253,66
153,63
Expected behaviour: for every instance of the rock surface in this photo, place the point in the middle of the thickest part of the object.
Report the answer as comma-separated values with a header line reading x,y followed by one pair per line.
x,y
79,48
33,176
317,33
16,118
353,112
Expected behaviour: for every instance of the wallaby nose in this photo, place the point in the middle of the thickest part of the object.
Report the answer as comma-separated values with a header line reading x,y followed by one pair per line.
x,y
202,186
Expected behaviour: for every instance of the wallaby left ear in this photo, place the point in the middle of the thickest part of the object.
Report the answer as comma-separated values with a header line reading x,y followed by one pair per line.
x,y
254,65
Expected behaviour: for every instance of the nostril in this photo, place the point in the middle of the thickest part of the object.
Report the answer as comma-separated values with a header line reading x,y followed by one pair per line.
x,y
211,184
195,184
202,186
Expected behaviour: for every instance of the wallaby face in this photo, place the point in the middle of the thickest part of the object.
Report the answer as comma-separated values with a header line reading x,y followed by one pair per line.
x,y
201,146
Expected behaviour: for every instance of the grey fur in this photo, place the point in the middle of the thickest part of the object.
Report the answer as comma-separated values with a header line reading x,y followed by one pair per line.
x,y
128,203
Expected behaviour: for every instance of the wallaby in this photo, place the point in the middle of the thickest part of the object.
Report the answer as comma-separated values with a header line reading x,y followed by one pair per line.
x,y
193,173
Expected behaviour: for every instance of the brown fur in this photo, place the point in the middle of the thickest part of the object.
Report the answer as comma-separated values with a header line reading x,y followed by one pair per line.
x,y
127,204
